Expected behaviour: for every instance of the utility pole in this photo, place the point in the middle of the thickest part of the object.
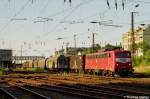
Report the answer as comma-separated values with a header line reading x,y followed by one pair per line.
x,y
75,43
132,33
21,53
93,42
66,51
62,48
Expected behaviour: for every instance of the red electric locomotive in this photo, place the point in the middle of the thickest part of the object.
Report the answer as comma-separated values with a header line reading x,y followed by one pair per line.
x,y
109,62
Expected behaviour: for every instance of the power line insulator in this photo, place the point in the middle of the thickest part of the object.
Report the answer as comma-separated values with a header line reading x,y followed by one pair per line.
x,y
69,2
123,4
116,4
108,4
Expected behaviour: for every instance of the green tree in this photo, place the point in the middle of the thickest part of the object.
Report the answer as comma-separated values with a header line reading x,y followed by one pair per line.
x,y
145,59
111,47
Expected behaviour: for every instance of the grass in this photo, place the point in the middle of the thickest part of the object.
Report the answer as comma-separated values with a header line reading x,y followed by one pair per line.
x,y
3,71
31,69
142,69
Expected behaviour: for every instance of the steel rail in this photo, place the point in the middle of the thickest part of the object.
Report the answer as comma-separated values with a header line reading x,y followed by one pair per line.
x,y
116,90
12,93
87,96
96,88
80,92
8,93
33,92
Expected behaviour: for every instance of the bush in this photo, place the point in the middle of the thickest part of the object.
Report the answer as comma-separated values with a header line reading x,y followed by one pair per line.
x,y
142,61
38,70
137,61
2,72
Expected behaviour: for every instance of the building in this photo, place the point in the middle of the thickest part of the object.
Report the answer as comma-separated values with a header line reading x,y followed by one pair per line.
x,y
141,36
70,51
5,57
22,59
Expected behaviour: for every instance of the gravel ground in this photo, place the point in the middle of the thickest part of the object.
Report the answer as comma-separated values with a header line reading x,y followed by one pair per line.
x,y
130,83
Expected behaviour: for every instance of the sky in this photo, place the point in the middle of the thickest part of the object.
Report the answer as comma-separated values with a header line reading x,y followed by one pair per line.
x,y
35,25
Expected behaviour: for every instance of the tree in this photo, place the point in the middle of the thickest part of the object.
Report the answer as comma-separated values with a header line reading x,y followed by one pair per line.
x,y
97,47
111,47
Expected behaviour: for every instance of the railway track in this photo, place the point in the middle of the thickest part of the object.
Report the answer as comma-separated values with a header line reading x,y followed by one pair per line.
x,y
112,90
65,86
55,86
81,93
121,92
92,90
20,93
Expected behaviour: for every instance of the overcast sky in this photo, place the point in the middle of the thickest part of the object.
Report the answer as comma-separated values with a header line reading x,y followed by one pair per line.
x,y
36,24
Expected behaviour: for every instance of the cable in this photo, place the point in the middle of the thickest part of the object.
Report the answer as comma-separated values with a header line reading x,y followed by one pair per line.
x,y
42,10
143,1
104,12
72,10
82,3
19,11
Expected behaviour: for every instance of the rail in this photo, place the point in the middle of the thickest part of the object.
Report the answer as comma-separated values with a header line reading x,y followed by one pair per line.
x,y
21,92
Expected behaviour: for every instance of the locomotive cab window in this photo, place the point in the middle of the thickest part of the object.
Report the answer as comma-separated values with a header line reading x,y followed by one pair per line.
x,y
119,54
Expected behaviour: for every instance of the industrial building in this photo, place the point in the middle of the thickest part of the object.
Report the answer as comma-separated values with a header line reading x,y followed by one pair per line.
x,y
141,36
5,57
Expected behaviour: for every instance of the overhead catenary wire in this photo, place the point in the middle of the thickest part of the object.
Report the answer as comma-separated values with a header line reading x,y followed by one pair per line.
x,y
60,24
69,10
57,25
17,13
140,1
72,10
104,12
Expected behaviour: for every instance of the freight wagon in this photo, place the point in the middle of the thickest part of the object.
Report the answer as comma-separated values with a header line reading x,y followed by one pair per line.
x,y
76,63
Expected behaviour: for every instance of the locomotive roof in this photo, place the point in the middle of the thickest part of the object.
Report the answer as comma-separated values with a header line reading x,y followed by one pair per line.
x,y
103,52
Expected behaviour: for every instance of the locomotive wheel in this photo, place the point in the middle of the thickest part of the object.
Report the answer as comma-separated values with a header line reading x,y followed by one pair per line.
x,y
103,73
109,73
115,75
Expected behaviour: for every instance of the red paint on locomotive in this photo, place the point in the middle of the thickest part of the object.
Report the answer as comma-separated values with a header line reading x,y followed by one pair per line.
x,y
116,61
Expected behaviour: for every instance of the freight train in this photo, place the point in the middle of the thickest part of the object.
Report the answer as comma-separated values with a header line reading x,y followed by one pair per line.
x,y
106,63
